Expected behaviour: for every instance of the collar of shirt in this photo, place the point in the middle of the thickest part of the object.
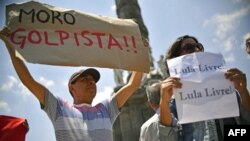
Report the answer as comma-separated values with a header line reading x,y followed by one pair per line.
x,y
82,104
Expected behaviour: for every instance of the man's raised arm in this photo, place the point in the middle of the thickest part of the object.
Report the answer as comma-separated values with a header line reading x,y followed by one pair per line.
x,y
24,75
126,91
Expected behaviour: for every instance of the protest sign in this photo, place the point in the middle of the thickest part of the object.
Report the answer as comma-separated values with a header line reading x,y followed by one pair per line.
x,y
51,35
206,93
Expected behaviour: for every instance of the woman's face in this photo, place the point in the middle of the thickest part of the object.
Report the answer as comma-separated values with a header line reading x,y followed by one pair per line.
x,y
188,46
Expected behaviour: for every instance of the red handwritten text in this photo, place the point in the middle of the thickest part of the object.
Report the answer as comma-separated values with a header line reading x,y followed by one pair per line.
x,y
84,38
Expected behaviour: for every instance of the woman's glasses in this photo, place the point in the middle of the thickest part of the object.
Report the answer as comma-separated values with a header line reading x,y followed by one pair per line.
x,y
192,47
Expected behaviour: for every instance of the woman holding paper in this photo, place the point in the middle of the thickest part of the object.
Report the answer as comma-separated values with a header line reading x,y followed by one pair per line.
x,y
203,130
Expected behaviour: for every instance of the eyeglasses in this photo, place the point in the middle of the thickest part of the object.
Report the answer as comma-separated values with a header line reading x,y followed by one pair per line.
x,y
192,47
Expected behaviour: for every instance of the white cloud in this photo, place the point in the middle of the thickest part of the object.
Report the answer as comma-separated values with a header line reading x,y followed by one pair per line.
x,y
113,7
226,23
46,82
105,94
65,83
229,44
248,57
9,84
13,85
229,58
22,90
246,36
4,106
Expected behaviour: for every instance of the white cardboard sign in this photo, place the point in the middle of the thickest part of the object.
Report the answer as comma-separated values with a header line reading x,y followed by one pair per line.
x,y
51,35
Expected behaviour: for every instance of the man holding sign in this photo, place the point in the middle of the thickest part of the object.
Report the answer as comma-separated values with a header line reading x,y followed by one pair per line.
x,y
81,120
73,38
192,92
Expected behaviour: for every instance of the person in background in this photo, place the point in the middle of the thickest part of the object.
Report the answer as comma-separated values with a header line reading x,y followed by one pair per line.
x,y
248,45
161,126
80,120
210,130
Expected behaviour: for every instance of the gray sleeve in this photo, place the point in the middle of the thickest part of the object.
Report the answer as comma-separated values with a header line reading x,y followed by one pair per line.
x,y
168,133
113,109
153,130
50,105
149,133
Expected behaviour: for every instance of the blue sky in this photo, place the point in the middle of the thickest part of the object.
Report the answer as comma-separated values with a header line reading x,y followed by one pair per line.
x,y
220,25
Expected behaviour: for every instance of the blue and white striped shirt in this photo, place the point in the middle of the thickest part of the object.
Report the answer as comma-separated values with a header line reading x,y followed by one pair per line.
x,y
81,122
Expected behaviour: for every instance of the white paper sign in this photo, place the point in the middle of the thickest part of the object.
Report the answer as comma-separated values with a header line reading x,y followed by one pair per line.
x,y
206,93
46,34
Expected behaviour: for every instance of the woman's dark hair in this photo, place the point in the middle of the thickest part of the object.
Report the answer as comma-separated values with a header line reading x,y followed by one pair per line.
x,y
174,50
